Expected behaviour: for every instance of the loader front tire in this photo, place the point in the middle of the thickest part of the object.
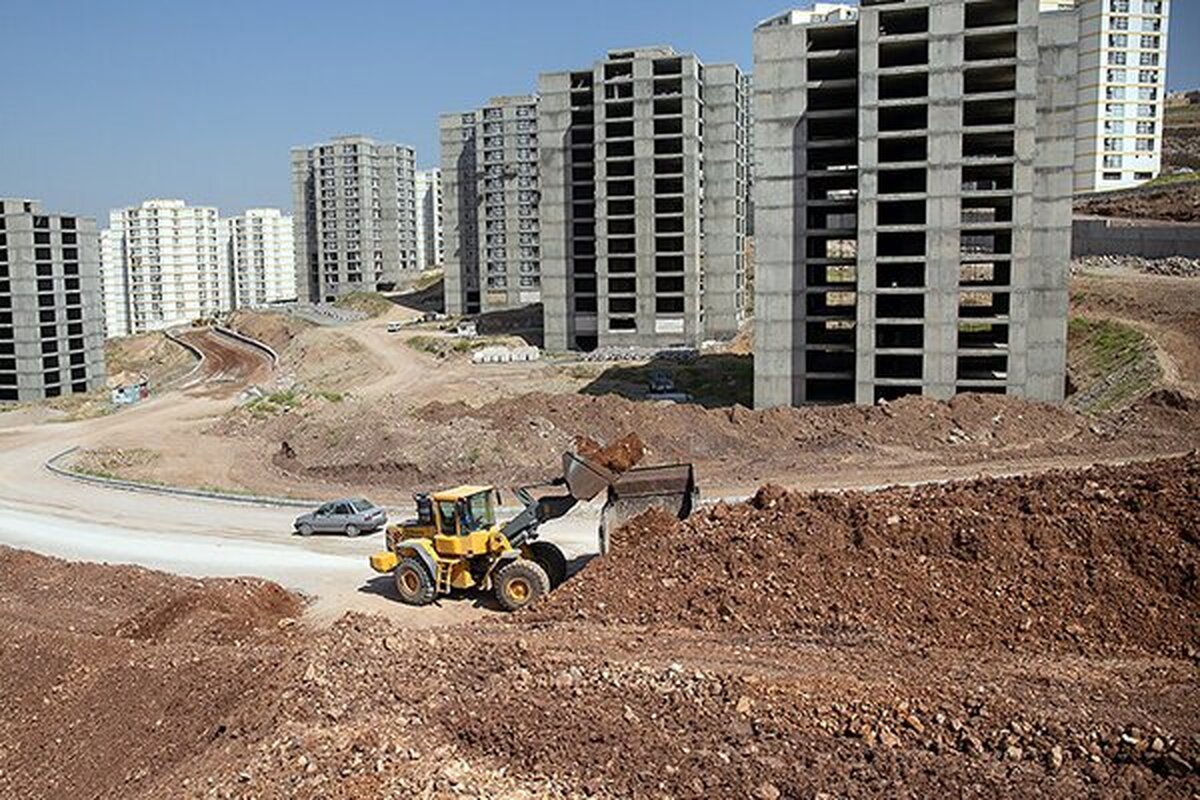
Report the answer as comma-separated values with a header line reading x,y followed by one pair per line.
x,y
520,583
550,559
414,584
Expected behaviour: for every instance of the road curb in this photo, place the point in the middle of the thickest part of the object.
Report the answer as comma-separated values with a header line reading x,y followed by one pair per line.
x,y
52,465
191,348
255,343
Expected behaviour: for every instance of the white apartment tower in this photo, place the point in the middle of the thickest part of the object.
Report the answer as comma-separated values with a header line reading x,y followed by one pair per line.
x,y
261,258
1122,90
356,216
161,264
431,245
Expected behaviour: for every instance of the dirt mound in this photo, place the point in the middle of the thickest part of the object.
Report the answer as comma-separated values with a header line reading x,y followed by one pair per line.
x,y
111,678
1104,559
275,330
1178,202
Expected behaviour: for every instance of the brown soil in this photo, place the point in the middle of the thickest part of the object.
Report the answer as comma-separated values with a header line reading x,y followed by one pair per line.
x,y
389,449
1009,638
619,456
110,675
151,355
275,330
1060,561
1178,202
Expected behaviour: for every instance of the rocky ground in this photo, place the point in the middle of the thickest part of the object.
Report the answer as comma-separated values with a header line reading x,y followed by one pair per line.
x,y
1176,267
1032,637
1174,202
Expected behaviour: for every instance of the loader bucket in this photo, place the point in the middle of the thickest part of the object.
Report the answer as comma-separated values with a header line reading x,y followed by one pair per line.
x,y
670,488
585,479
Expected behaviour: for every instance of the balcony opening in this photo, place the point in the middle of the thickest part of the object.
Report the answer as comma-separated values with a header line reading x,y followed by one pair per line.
x,y
987,80
823,247
668,224
982,210
829,361
668,283
831,219
622,226
982,336
619,169
987,178
619,149
900,275
622,246
836,275
900,212
666,126
669,305
903,118
620,208
668,166
620,69
668,263
829,392
986,243
668,244
890,394
907,53
834,187
622,110
982,368
906,367
989,112
825,129
989,145
620,188
832,98
622,265
668,205
836,305
832,159
903,21
666,147
840,37
619,130
902,181
899,87
900,244
668,106
899,337
837,333
668,66
990,47
900,306
668,186
983,305
902,149
668,86
991,13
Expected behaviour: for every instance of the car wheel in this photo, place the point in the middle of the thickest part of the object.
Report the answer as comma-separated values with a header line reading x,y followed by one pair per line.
x,y
305,530
352,531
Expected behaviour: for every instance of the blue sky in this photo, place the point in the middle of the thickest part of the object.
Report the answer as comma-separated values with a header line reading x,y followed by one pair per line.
x,y
111,103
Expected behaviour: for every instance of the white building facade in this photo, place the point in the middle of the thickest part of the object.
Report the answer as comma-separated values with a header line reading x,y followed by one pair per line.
x,y
431,244
1122,91
261,258
162,264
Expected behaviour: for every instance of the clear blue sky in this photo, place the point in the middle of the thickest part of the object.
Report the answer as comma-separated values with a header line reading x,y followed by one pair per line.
x,y
109,103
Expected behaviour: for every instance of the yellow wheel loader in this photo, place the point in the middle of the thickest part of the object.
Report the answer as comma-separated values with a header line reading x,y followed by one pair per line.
x,y
455,541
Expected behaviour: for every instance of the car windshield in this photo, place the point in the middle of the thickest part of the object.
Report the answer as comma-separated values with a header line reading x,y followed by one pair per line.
x,y
361,505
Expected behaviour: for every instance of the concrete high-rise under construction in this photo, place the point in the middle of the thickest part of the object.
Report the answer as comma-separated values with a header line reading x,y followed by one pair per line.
x,y
355,217
913,200
490,187
644,192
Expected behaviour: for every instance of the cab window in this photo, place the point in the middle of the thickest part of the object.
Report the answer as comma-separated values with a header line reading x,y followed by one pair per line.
x,y
478,512
446,515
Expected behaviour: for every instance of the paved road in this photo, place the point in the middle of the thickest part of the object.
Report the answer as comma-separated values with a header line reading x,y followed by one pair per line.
x,y
57,516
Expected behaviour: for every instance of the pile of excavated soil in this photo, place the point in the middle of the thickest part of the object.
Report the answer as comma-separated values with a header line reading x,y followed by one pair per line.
x,y
385,448
275,330
110,677
1179,202
1104,560
619,456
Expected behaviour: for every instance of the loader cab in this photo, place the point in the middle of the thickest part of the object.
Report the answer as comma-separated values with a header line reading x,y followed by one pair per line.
x,y
466,519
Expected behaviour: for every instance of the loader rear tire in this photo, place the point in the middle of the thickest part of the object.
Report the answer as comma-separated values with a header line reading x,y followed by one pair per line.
x,y
520,583
414,584
550,559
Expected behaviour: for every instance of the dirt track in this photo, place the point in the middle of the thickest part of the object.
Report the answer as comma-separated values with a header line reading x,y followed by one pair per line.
x,y
979,647
228,363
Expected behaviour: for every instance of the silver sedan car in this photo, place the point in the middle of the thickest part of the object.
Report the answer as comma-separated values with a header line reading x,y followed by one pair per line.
x,y
348,516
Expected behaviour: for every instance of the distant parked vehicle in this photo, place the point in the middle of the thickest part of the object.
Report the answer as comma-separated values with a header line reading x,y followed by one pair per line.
x,y
395,327
348,516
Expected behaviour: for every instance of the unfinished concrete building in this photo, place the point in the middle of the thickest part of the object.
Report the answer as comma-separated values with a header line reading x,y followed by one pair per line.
x,y
913,200
490,209
645,175
355,217
51,306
